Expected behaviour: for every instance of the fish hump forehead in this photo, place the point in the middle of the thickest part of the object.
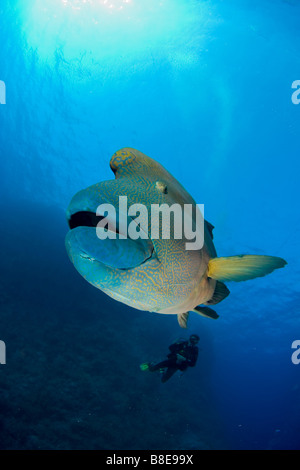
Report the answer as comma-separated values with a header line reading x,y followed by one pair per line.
x,y
131,162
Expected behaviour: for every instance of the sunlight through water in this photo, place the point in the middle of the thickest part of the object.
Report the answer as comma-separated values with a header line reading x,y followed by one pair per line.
x,y
112,29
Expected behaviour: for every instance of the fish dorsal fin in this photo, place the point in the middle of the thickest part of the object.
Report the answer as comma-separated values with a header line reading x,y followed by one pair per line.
x,y
182,319
221,292
206,312
210,228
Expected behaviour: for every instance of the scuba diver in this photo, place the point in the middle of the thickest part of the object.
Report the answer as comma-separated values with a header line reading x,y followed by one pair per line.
x,y
183,354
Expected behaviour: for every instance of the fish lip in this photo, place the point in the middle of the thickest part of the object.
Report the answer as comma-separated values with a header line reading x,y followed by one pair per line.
x,y
77,251
82,211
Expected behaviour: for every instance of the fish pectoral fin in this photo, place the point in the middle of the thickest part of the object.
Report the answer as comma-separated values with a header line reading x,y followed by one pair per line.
x,y
221,292
243,267
182,319
210,228
206,312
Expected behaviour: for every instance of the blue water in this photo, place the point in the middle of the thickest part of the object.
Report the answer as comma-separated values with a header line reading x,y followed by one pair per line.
x,y
205,88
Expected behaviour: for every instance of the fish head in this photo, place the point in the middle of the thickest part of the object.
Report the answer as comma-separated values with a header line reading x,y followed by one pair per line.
x,y
123,258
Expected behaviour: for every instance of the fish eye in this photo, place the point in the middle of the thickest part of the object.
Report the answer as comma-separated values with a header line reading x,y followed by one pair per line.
x,y
161,187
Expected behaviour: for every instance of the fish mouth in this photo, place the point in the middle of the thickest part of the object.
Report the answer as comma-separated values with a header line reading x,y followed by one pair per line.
x,y
84,219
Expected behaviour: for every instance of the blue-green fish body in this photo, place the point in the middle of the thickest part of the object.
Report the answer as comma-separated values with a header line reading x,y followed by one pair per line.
x,y
152,274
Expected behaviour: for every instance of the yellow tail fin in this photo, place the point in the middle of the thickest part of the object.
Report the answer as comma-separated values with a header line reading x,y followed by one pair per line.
x,y
243,267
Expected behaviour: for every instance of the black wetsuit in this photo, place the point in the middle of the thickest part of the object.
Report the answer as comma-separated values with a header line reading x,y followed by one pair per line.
x,y
185,349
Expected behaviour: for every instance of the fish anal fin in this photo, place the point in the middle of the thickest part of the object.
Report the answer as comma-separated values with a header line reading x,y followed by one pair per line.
x,y
206,312
182,319
243,267
221,292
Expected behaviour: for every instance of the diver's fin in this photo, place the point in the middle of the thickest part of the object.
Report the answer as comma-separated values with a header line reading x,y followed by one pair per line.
x,y
210,228
221,292
206,312
182,319
243,267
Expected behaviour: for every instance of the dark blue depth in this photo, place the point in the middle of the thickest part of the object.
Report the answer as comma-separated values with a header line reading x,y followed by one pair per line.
x,y
205,88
